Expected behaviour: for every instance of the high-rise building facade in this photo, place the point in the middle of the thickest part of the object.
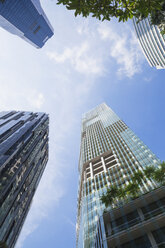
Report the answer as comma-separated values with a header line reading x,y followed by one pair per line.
x,y
109,155
23,157
27,20
152,42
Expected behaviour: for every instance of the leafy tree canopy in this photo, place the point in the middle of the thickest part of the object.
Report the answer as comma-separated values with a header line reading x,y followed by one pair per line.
x,y
158,18
3,244
149,171
138,177
106,9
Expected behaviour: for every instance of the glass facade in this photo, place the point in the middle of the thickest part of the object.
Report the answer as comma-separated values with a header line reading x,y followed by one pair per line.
x,y
27,20
110,153
152,42
23,157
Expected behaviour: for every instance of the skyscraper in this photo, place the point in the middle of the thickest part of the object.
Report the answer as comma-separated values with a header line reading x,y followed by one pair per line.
x,y
109,155
27,20
151,42
23,157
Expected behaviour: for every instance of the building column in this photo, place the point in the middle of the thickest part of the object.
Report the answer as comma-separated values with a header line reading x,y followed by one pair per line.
x,y
91,169
85,178
140,214
109,229
149,234
152,240
103,163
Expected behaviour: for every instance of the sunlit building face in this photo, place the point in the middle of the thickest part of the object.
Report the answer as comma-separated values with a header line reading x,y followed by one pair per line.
x,y
152,42
27,20
110,153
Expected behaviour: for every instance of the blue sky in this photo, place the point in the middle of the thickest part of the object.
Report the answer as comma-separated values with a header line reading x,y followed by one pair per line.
x,y
86,63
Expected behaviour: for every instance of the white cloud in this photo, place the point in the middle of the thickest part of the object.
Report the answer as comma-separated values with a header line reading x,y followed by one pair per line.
x,y
100,43
123,47
81,58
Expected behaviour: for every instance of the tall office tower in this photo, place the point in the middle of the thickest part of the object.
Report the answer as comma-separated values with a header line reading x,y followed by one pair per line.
x,y
109,155
26,19
23,157
152,42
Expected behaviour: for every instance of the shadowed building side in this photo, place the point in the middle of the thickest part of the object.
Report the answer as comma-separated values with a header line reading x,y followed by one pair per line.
x,y
23,157
139,223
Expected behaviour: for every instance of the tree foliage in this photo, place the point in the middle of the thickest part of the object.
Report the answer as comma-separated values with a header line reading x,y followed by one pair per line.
x,y
138,177
158,18
106,9
149,171
3,244
132,190
159,175
108,198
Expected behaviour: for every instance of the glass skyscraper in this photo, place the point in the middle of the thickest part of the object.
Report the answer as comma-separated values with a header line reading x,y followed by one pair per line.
x,y
26,19
152,42
110,153
23,157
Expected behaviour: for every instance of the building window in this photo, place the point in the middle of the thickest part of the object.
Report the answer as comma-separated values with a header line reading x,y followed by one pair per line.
x,y
159,236
37,29
137,243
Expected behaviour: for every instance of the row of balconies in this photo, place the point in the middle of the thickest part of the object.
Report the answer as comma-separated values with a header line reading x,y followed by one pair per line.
x,y
142,215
